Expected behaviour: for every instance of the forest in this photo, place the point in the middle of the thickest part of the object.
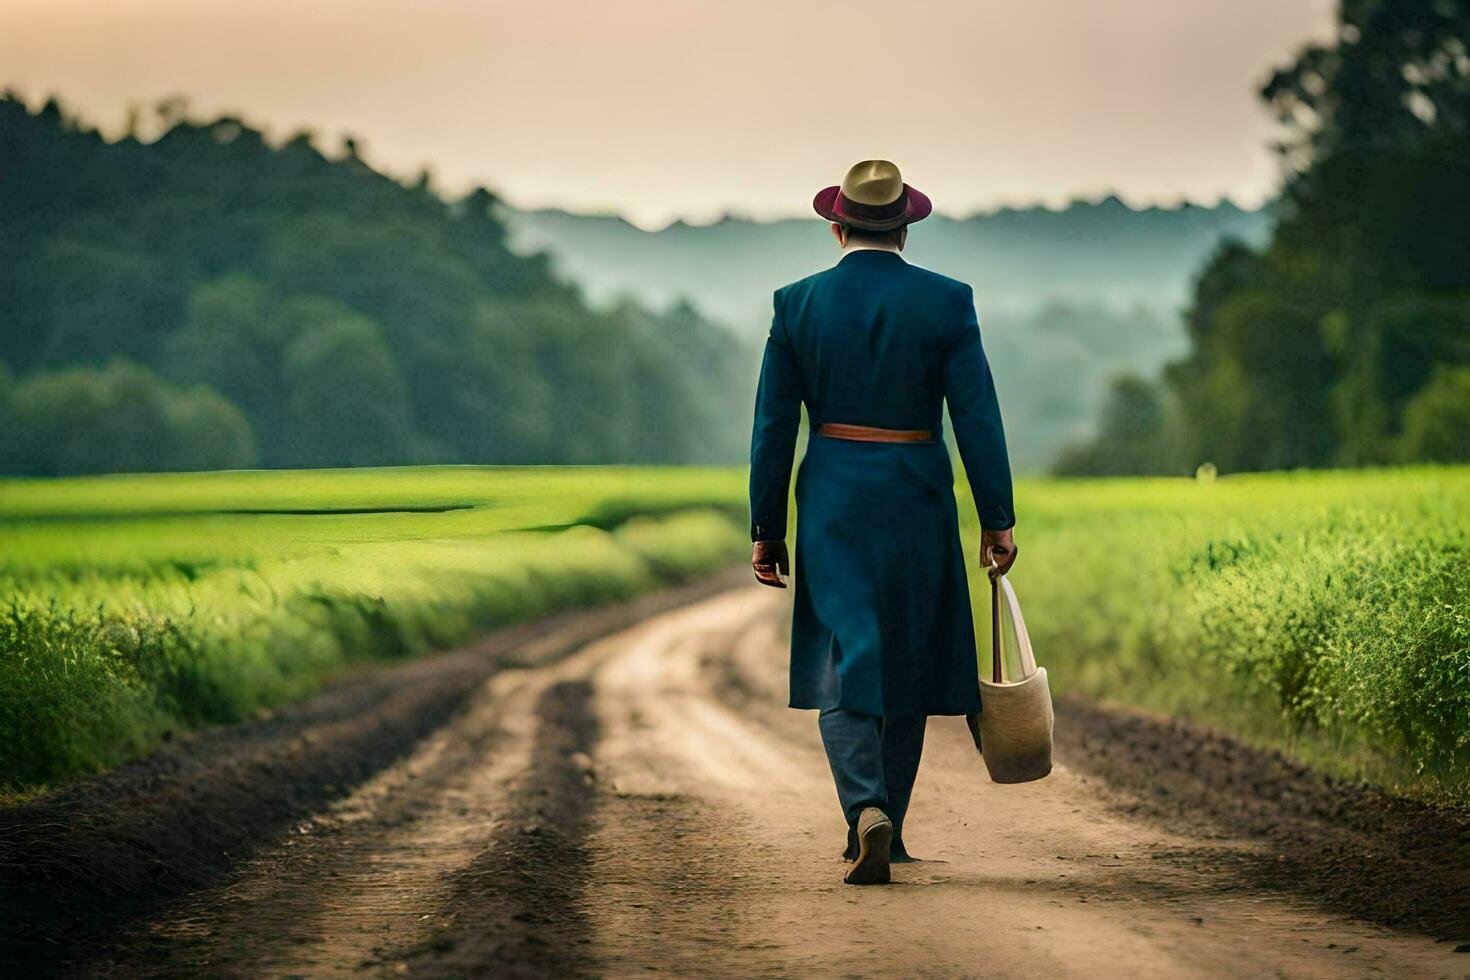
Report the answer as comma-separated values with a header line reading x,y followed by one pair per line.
x,y
1345,340
198,295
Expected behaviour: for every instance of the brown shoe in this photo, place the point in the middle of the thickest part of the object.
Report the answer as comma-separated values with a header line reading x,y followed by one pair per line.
x,y
875,836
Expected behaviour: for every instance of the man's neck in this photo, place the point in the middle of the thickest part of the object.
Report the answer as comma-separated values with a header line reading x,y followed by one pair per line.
x,y
866,247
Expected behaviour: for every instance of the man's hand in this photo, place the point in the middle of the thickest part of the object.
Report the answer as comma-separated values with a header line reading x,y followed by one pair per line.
x,y
769,560
998,547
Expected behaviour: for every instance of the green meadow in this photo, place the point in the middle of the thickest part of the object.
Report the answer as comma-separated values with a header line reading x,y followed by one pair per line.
x,y
135,606
1327,613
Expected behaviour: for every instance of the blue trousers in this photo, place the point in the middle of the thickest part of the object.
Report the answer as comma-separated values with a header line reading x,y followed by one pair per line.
x,y
874,761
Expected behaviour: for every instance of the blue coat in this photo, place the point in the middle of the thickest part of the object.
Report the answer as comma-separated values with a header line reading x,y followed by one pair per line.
x,y
882,620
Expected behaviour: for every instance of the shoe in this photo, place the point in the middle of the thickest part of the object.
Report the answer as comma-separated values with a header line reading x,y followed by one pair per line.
x,y
875,837
898,853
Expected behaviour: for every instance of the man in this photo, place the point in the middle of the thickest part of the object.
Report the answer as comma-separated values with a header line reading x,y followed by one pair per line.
x,y
882,635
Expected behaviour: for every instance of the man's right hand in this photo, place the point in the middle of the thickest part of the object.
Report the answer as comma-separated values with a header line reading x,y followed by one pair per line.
x,y
997,548
770,562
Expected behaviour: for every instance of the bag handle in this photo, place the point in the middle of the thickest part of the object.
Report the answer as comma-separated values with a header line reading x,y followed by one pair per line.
x,y
1000,585
996,673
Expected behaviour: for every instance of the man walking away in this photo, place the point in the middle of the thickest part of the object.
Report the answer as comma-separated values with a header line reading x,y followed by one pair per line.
x,y
882,635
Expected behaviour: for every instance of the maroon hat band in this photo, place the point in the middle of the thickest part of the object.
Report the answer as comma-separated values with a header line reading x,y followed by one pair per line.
x,y
911,205
896,208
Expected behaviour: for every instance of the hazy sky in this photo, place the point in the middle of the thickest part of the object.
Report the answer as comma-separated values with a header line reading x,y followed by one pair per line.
x,y
666,108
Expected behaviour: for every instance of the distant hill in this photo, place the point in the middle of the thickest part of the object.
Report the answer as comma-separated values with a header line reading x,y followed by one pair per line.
x,y
1067,298
1103,253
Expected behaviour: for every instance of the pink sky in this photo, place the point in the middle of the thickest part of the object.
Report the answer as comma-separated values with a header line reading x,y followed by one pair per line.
x,y
663,109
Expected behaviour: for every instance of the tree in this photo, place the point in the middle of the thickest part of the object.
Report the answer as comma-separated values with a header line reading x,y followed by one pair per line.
x,y
122,418
208,432
509,405
1312,350
1134,435
11,456
231,340
98,300
345,402
1437,420
1396,71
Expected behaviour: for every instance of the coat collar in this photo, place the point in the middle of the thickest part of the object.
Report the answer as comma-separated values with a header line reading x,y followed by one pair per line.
x,y
869,253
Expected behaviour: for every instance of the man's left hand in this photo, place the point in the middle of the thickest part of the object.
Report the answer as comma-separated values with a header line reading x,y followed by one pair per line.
x,y
770,562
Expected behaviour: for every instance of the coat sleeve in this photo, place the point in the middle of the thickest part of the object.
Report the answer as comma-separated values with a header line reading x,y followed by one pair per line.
x,y
975,414
773,441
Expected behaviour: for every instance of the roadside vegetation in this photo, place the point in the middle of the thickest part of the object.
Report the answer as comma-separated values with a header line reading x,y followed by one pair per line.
x,y
136,608
1326,613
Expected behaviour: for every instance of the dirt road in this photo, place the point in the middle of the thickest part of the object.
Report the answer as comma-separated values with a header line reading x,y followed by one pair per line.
x,y
646,805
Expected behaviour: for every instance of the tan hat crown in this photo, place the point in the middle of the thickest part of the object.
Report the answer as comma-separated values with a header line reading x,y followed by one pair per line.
x,y
873,182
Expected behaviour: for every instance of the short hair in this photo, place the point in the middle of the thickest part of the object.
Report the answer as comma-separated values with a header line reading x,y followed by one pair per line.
x,y
867,236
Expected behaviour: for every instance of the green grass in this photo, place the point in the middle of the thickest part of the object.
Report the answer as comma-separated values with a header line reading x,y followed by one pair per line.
x,y
1326,613
141,605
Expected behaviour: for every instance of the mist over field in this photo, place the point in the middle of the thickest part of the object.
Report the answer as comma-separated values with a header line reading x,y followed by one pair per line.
x,y
1068,299
1100,253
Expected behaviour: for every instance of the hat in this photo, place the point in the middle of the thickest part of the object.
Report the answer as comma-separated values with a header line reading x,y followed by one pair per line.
x,y
872,196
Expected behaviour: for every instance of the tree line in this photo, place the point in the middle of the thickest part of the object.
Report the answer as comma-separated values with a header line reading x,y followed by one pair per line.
x,y
211,298
1345,340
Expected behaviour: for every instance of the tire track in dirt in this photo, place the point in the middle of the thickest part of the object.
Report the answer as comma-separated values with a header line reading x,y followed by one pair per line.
x,y
525,908
515,909
369,874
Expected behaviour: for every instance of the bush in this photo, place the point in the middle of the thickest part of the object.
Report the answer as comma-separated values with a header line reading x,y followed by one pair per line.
x,y
121,418
1325,613
1437,419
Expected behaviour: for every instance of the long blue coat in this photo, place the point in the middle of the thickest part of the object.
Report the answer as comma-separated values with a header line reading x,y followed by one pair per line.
x,y
882,620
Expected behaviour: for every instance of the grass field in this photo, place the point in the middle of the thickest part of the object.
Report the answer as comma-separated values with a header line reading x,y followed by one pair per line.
x,y
1328,613
142,605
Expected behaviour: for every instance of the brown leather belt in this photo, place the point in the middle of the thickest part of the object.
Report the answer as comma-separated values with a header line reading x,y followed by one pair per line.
x,y
868,433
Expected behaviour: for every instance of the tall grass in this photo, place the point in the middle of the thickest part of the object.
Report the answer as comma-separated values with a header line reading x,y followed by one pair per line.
x,y
1327,613
139,606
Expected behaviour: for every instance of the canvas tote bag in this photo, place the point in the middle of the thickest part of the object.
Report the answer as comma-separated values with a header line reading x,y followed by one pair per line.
x,y
1014,728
